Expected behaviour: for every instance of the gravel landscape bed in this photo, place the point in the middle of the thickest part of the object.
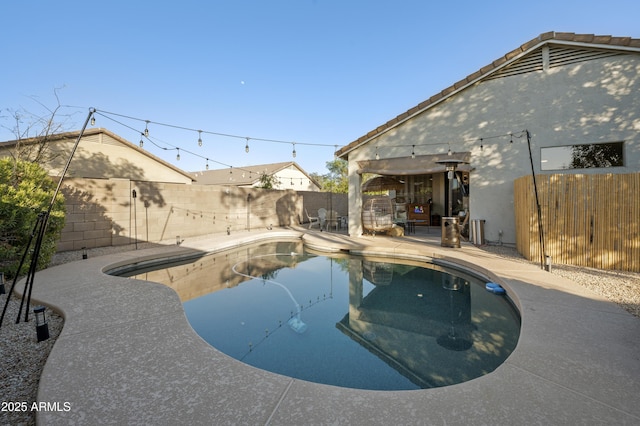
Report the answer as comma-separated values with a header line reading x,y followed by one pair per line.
x,y
23,358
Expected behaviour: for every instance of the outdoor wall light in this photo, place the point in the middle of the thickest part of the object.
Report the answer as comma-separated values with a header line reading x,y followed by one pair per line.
x,y
2,290
42,328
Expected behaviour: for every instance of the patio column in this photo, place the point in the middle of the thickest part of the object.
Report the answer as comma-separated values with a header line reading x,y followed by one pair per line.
x,y
355,200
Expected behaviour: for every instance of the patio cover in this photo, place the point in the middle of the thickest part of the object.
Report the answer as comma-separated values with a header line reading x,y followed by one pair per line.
x,y
420,165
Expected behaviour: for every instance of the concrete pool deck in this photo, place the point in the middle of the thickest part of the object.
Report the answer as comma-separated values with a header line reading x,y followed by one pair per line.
x,y
127,354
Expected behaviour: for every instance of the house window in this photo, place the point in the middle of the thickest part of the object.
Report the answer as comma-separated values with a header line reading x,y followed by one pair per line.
x,y
585,156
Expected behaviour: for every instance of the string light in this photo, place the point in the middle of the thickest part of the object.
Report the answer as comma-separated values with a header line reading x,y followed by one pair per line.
x,y
207,165
145,134
93,120
199,137
510,135
178,155
246,147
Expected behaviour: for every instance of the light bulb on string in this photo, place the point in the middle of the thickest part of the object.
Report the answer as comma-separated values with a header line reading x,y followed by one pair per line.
x,y
294,151
413,151
178,155
199,137
146,129
93,120
246,147
377,155
481,147
141,141
510,137
449,152
207,165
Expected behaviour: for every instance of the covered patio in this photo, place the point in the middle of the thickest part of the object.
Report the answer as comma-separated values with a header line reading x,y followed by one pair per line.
x,y
420,188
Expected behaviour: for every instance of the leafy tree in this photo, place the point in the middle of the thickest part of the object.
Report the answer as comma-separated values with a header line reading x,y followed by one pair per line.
x,y
336,180
267,181
596,155
25,191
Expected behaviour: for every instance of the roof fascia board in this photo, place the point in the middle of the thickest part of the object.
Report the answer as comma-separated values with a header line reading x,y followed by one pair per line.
x,y
631,49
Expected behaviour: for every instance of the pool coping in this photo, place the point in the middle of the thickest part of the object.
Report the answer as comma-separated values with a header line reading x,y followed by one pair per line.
x,y
127,354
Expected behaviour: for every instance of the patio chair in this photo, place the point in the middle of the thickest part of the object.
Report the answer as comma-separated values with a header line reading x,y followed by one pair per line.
x,y
313,220
332,220
322,215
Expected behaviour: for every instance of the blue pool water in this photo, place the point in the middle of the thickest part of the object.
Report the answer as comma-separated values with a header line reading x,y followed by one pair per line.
x,y
345,320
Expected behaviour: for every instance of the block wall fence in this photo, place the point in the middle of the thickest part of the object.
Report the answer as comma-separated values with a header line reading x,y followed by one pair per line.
x,y
104,212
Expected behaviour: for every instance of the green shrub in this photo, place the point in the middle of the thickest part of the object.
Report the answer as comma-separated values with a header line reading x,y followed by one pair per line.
x,y
25,191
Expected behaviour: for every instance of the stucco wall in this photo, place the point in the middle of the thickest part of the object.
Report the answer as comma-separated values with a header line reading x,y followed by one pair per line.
x,y
103,212
588,102
101,155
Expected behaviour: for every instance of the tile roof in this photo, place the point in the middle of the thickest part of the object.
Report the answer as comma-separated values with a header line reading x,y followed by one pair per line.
x,y
590,40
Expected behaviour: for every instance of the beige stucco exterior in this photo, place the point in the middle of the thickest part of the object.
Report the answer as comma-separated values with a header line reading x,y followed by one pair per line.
x,y
104,155
594,97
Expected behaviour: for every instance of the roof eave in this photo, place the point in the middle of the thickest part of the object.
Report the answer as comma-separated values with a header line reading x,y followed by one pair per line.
x,y
568,39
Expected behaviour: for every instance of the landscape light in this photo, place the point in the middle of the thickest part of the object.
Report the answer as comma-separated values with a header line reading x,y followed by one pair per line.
x,y
42,328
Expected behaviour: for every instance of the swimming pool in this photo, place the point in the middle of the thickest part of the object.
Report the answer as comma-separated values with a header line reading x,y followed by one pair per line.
x,y
344,320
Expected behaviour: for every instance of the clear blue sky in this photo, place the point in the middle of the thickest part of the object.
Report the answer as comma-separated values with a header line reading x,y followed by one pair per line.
x,y
321,72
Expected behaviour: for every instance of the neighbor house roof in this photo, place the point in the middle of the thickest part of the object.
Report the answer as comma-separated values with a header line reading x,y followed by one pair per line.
x,y
96,131
245,175
591,41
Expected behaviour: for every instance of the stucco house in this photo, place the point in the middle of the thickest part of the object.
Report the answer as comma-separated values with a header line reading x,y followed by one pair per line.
x,y
285,175
560,103
101,154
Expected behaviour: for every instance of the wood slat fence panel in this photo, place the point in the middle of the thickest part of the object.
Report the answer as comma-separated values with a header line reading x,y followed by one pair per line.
x,y
588,220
